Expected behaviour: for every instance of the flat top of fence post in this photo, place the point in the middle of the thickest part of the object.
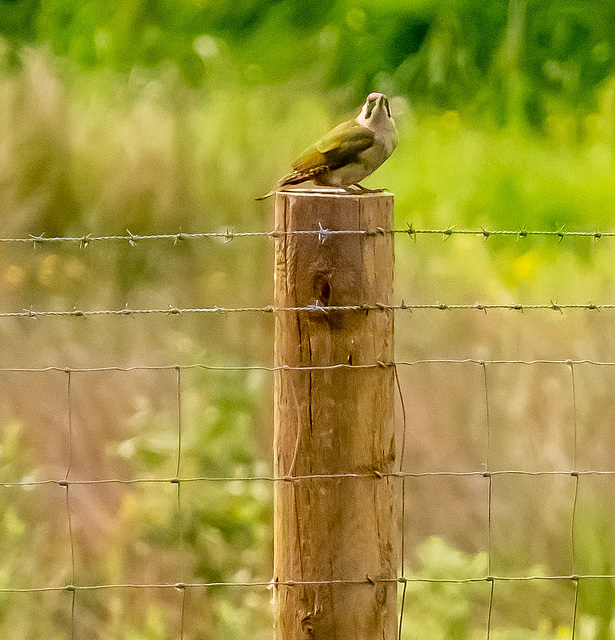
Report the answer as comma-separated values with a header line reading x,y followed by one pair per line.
x,y
332,192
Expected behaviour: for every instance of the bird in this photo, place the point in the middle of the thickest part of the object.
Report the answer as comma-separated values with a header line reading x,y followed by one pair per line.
x,y
349,152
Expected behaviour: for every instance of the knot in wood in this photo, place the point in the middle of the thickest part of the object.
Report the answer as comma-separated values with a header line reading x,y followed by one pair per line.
x,y
307,626
321,286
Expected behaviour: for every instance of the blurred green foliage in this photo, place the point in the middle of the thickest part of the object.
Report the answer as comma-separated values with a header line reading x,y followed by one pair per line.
x,y
459,611
518,55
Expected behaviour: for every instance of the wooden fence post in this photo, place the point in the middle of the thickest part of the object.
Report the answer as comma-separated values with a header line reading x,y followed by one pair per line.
x,y
336,537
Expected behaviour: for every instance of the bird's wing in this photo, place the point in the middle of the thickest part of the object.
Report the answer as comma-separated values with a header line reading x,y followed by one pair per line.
x,y
339,147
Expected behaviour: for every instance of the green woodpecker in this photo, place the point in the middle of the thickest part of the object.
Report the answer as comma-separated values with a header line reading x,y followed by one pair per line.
x,y
349,152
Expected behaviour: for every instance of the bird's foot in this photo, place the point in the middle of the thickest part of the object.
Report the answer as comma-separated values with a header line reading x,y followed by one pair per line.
x,y
359,189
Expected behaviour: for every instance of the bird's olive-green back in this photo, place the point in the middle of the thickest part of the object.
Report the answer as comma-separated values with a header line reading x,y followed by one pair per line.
x,y
338,148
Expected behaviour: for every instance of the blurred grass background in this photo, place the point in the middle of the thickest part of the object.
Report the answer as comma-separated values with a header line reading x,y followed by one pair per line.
x,y
163,116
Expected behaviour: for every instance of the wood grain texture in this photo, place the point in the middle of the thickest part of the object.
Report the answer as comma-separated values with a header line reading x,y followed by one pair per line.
x,y
334,421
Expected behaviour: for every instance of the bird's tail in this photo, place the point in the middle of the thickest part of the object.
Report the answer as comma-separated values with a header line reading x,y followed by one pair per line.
x,y
296,177
267,195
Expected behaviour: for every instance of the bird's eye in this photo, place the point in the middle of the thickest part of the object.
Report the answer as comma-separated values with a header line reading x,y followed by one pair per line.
x,y
371,103
386,104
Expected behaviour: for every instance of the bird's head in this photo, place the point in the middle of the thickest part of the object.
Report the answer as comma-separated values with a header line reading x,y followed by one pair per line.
x,y
376,109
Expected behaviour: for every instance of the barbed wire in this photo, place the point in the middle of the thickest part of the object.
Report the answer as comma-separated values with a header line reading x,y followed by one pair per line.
x,y
314,308
519,234
227,235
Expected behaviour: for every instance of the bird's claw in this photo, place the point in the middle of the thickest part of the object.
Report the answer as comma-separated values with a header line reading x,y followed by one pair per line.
x,y
360,189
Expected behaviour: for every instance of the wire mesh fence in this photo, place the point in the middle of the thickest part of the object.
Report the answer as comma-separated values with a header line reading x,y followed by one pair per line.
x,y
536,487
